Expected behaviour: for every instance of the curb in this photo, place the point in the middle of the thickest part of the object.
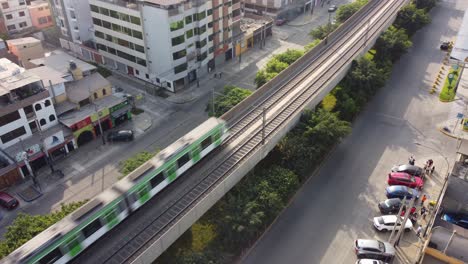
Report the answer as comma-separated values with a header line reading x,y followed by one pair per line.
x,y
441,129
314,173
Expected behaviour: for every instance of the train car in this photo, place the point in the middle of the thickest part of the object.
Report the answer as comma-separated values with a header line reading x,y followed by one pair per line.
x,y
67,238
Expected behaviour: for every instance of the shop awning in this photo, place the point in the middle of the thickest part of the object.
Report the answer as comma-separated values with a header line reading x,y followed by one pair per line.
x,y
121,111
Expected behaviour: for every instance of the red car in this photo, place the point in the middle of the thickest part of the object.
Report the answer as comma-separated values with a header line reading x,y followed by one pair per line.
x,y
8,201
281,21
401,178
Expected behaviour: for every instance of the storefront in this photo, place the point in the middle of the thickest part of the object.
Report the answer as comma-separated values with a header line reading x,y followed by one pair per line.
x,y
120,113
104,119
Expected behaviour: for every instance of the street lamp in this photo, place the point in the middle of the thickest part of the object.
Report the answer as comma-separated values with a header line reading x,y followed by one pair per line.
x,y
434,213
331,10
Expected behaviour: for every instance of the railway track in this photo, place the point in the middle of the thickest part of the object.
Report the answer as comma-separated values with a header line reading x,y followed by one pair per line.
x,y
246,137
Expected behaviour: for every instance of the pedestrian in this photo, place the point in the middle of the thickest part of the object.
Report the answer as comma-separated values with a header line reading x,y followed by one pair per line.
x,y
423,210
423,199
419,230
220,74
198,83
412,160
433,169
215,75
424,215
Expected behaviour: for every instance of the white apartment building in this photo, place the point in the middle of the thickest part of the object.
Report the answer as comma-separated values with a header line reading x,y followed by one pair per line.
x,y
15,15
73,17
168,43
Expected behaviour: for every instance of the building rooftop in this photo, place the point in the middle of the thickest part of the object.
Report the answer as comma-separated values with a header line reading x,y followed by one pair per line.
x,y
37,3
36,138
250,23
48,75
8,68
60,61
460,49
72,118
82,89
457,248
17,81
127,4
163,2
22,41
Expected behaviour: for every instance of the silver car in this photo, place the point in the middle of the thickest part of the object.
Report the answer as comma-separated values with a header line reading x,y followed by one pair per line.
x,y
370,261
374,249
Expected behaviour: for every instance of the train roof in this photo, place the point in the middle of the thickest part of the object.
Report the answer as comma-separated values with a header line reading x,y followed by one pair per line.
x,y
62,227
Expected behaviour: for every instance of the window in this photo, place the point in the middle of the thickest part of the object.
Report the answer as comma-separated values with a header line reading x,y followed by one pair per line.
x,y
104,11
5,5
202,56
200,44
21,13
179,54
111,50
124,17
156,180
106,24
99,34
177,25
209,12
94,8
43,122
47,103
147,76
33,126
22,24
9,16
183,160
189,33
137,72
210,25
201,15
38,107
142,62
135,20
42,20
127,31
101,47
202,29
21,2
97,22
180,68
8,118
205,143
137,34
116,27
139,48
104,91
49,18
114,14
188,20
53,256
178,40
13,134
91,228
40,8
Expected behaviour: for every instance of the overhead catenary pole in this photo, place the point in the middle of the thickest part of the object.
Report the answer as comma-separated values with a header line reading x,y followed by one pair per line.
x,y
403,224
403,204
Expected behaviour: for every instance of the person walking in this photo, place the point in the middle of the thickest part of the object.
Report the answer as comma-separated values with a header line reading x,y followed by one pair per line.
x,y
418,231
411,160
423,199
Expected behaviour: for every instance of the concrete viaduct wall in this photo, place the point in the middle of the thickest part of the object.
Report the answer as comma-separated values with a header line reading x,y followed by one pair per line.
x,y
203,205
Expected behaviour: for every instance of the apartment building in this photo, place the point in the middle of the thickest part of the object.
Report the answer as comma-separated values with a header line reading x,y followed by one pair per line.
x,y
26,49
40,14
15,15
168,43
73,17
269,7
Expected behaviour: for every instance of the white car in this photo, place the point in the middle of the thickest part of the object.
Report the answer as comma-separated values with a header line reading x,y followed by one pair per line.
x,y
370,261
387,223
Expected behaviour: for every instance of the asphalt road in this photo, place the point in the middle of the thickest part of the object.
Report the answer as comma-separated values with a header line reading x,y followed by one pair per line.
x,y
337,204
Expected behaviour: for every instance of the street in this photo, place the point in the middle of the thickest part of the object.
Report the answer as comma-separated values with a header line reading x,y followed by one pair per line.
x,y
337,204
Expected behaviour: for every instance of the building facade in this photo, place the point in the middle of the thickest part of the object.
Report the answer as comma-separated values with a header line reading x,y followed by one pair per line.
x,y
73,17
26,49
15,15
167,43
40,14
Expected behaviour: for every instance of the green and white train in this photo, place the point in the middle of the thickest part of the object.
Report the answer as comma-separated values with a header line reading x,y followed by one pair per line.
x,y
67,238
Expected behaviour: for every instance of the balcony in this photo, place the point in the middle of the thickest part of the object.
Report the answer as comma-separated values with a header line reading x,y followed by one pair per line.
x,y
12,102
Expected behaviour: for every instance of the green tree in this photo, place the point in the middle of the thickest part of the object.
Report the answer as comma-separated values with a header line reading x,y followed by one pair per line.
x,y
275,66
392,43
229,98
26,226
321,32
135,161
365,77
347,10
311,45
289,56
411,19
427,5
346,106
329,102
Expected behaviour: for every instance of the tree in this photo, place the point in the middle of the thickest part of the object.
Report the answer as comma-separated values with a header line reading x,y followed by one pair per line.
x,y
26,226
365,76
411,19
346,11
289,56
392,44
229,98
275,66
311,45
321,32
427,5
346,107
329,102
135,161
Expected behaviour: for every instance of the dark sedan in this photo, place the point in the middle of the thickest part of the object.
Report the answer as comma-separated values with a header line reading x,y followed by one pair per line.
x,y
410,169
390,206
121,135
400,191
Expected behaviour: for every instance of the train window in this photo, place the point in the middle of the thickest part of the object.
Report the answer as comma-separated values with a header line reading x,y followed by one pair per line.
x,y
122,206
91,228
111,217
217,135
183,160
73,245
156,180
52,257
205,143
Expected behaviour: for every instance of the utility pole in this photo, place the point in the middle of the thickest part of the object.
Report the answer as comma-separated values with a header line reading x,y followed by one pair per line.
x,y
403,204
402,227
99,122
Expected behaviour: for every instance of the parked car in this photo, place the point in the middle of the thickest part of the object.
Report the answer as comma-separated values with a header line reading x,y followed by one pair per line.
x,y
387,223
445,45
403,178
410,169
369,261
400,191
281,21
390,206
374,249
7,201
332,8
120,135
459,220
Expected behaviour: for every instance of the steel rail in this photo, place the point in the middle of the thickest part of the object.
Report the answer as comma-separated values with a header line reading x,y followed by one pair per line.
x,y
244,153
